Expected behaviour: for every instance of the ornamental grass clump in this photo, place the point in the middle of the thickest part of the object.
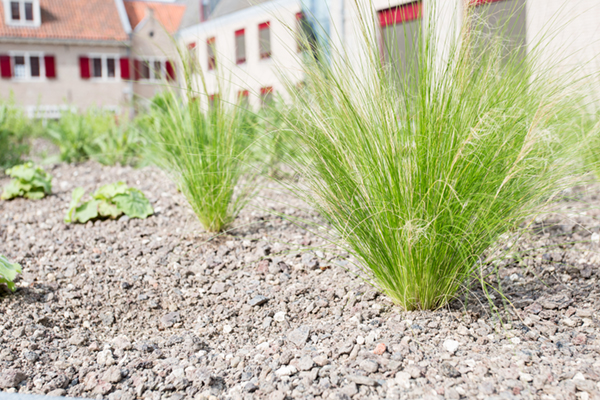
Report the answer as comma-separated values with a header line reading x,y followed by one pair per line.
x,y
419,171
204,147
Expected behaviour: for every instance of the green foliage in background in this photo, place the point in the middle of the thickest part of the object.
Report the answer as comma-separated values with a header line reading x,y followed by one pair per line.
x,y
8,272
28,181
110,201
420,169
15,130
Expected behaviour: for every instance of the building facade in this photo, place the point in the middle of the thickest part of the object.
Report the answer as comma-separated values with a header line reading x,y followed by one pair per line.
x,y
75,54
230,45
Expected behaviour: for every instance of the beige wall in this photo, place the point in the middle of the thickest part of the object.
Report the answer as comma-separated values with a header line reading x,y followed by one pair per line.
x,y
68,87
150,39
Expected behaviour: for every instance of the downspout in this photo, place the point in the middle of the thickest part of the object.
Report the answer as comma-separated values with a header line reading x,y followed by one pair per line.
x,y
127,28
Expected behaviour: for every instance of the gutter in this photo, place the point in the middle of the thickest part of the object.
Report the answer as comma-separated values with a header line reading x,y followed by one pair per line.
x,y
74,42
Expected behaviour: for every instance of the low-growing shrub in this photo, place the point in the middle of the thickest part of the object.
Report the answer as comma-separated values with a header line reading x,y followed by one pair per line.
x,y
15,129
8,272
206,151
110,201
419,171
28,181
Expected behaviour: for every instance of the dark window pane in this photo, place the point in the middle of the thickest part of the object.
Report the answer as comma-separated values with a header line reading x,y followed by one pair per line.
x,y
210,49
97,67
145,73
240,48
29,11
110,67
264,37
157,70
15,11
35,66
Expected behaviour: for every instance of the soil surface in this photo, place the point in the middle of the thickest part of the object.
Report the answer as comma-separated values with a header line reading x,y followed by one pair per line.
x,y
158,309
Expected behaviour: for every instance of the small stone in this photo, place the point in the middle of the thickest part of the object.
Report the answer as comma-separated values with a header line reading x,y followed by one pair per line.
x,y
369,366
402,377
103,388
277,395
105,358
258,300
380,349
362,380
449,371
250,387
321,361
235,361
286,370
451,346
122,342
360,340
595,237
56,393
579,339
31,356
217,288
77,340
349,390
299,336
125,285
414,371
227,329
112,375
306,363
107,319
170,319
515,340
569,322
279,316
310,261
523,377
11,378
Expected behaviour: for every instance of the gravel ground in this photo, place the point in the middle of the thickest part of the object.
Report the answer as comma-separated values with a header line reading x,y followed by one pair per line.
x,y
157,309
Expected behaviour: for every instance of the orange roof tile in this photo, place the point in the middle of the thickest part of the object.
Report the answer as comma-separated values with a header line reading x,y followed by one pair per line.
x,y
71,20
169,15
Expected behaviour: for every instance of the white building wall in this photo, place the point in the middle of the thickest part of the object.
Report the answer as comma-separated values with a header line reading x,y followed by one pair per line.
x,y
573,26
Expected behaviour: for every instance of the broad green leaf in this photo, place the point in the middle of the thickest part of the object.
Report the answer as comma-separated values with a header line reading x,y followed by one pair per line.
x,y
27,178
107,192
25,172
12,190
134,204
8,272
35,194
106,209
75,198
87,211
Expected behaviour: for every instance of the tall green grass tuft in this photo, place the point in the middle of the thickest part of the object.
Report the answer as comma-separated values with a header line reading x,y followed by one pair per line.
x,y
205,149
419,171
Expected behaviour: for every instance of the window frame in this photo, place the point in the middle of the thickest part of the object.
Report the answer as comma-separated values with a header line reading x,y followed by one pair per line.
x,y
27,56
104,57
150,61
240,61
211,44
22,21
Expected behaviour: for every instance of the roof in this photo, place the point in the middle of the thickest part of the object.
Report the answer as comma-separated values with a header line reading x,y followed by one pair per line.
x,y
230,6
88,20
169,15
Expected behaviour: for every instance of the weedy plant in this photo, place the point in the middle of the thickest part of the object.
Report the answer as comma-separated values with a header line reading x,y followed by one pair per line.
x,y
15,129
205,148
28,181
419,169
110,201
8,272
121,144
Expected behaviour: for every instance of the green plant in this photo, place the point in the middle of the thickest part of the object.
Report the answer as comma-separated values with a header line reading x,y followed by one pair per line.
x,y
122,143
110,201
419,171
8,272
205,149
28,181
15,129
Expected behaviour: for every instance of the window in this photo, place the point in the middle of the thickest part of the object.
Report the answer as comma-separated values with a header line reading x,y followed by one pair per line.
x,y
210,51
213,101
244,98
27,66
154,69
99,67
266,96
22,12
264,40
240,46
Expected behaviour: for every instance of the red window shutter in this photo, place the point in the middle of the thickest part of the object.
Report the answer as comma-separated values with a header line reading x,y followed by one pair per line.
x,y
170,71
84,67
5,69
50,64
397,15
137,65
125,72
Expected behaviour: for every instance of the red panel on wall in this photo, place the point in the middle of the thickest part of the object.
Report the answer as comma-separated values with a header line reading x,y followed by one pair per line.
x,y
5,69
84,67
170,71
397,15
125,71
240,32
50,64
